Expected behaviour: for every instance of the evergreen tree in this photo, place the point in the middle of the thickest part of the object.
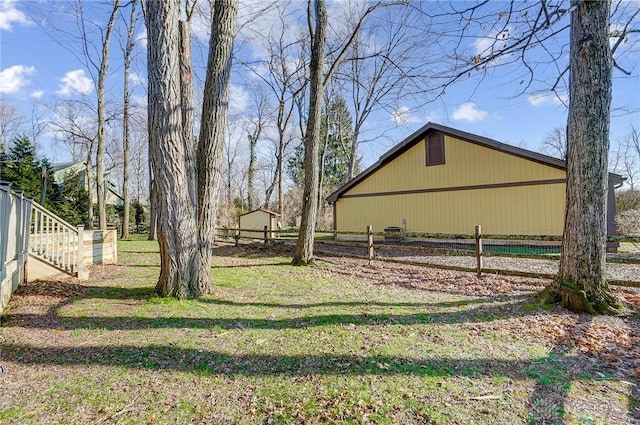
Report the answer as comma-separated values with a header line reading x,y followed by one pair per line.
x,y
336,132
21,167
72,199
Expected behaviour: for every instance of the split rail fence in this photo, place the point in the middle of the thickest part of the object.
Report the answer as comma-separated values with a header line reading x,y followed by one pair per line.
x,y
518,255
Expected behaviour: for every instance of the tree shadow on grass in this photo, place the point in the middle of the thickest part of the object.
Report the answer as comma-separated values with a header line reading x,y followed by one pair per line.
x,y
445,304
483,313
553,374
167,357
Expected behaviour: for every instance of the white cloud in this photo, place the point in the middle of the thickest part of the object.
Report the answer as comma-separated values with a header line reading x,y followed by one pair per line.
x,y
74,82
469,112
9,15
138,79
14,78
260,21
435,117
550,99
402,116
238,99
37,94
139,100
492,43
141,39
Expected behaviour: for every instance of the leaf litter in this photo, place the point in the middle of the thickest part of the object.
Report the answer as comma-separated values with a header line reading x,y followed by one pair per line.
x,y
606,347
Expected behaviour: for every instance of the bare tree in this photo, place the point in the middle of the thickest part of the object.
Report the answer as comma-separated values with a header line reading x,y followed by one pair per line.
x,y
555,143
581,283
285,81
75,130
632,159
515,30
318,78
231,169
12,123
255,133
128,52
89,42
318,29
178,236
213,125
103,69
386,64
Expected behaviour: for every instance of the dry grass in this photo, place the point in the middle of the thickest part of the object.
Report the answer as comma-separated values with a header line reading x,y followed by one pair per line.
x,y
339,342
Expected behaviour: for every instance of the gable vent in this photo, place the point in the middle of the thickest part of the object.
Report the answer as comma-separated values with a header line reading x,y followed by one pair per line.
x,y
435,148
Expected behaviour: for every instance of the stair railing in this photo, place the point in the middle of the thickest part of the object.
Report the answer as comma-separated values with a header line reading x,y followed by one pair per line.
x,y
57,242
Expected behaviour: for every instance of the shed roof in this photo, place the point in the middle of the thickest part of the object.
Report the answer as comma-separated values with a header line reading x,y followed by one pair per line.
x,y
263,210
422,132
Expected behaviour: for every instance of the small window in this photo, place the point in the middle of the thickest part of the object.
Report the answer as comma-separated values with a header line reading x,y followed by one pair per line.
x,y
434,147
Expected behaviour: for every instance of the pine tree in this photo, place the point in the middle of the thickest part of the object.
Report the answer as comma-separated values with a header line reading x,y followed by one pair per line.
x,y
23,169
336,132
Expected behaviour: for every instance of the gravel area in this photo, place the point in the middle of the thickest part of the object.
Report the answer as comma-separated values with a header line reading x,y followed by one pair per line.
x,y
627,272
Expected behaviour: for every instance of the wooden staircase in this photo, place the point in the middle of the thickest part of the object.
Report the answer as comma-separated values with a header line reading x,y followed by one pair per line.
x,y
56,248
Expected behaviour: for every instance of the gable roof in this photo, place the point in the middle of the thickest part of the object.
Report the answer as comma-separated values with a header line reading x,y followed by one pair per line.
x,y
263,210
422,132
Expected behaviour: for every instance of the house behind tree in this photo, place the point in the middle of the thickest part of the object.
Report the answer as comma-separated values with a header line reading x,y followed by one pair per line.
x,y
60,170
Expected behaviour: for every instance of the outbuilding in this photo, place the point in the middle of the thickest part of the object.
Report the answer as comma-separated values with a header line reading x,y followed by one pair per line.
x,y
443,180
258,219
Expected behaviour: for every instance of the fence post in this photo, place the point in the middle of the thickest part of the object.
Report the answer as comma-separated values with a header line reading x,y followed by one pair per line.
x,y
370,242
83,273
19,235
478,250
236,236
27,234
5,211
266,237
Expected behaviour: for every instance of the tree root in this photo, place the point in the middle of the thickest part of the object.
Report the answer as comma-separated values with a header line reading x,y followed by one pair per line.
x,y
601,301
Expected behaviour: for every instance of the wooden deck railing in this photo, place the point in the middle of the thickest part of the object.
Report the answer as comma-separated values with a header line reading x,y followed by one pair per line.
x,y
55,241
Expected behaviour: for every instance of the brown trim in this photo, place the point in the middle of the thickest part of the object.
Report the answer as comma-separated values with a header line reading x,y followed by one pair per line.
x,y
457,188
335,217
271,213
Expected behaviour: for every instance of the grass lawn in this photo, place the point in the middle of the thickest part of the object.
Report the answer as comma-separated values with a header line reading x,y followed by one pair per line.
x,y
339,342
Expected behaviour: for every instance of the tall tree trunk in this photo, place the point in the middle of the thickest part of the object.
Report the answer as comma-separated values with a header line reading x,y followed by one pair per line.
x,y
88,169
581,283
280,170
304,247
180,268
102,137
253,141
153,207
125,120
187,104
353,152
213,125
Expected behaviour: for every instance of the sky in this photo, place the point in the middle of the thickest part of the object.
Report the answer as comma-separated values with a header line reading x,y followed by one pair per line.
x,y
36,70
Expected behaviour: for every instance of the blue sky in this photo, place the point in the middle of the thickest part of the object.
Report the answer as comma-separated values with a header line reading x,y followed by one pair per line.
x,y
35,69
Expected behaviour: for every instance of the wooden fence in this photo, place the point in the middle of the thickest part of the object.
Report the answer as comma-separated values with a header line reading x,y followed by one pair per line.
x,y
520,255
15,217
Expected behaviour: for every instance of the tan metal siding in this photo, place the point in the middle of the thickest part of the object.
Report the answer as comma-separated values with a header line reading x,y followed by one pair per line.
x,y
537,209
255,220
466,164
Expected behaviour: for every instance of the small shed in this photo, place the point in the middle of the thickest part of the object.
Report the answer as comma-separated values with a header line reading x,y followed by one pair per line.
x,y
258,219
